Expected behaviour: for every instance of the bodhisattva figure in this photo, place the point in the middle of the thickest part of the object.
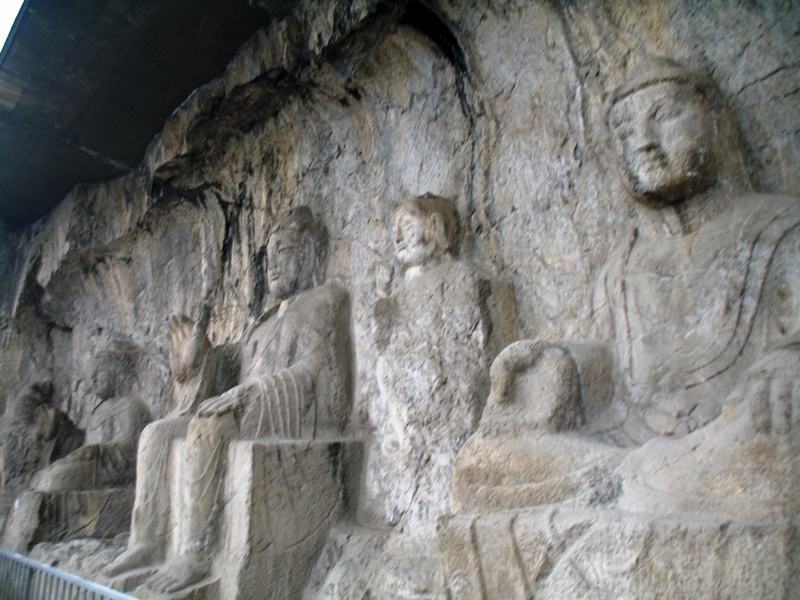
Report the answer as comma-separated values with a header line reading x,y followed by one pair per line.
x,y
700,313
295,384
108,457
194,365
433,338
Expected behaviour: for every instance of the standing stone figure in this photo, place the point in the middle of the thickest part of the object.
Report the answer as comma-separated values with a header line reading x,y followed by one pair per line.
x,y
193,365
688,408
433,341
295,383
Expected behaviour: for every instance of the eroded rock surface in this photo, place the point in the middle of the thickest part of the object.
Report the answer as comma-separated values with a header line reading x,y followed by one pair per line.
x,y
664,335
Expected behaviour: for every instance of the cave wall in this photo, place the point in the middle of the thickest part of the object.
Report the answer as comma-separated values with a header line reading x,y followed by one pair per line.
x,y
351,108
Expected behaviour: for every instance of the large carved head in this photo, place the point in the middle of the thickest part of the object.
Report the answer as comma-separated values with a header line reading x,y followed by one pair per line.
x,y
116,369
424,229
665,121
294,253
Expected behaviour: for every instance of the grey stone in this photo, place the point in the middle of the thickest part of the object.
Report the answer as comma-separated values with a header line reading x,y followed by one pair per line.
x,y
659,323
704,371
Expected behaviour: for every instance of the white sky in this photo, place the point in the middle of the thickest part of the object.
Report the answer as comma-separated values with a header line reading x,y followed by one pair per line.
x,y
8,12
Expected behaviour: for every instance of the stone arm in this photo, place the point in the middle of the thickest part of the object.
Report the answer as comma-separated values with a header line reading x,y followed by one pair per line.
x,y
197,368
284,398
289,399
772,384
129,416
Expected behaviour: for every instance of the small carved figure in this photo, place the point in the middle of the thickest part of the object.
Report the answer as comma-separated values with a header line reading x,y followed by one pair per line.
x,y
106,460
34,434
295,383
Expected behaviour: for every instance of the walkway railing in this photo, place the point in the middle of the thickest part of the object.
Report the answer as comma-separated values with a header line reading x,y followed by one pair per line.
x,y
24,579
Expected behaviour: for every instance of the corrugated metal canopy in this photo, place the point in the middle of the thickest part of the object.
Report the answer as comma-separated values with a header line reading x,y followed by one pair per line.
x,y
86,84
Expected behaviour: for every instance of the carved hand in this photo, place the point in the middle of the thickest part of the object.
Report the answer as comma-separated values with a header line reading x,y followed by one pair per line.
x,y
230,401
383,280
771,388
188,345
514,359
775,404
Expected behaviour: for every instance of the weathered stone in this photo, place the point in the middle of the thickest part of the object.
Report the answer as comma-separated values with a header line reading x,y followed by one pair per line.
x,y
280,502
654,315
599,553
68,515
34,434
105,462
695,327
294,384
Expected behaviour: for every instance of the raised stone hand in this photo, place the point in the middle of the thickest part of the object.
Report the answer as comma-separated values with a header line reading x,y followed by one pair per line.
x,y
188,346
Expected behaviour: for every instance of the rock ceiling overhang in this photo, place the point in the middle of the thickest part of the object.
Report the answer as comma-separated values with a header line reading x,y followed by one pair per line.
x,y
85,85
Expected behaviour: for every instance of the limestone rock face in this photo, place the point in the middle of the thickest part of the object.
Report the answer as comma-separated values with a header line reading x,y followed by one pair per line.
x,y
640,442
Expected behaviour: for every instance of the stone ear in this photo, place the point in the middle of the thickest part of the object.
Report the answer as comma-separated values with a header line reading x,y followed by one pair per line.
x,y
439,231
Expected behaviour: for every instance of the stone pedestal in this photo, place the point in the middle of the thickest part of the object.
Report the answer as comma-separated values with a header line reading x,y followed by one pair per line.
x,y
557,553
281,499
63,516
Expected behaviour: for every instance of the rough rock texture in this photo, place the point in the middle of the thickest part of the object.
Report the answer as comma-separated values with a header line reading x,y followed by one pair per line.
x,y
352,108
604,554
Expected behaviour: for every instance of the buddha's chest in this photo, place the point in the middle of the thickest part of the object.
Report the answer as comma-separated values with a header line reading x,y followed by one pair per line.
x,y
683,294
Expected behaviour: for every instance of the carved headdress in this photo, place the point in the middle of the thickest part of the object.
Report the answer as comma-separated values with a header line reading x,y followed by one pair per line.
x,y
655,70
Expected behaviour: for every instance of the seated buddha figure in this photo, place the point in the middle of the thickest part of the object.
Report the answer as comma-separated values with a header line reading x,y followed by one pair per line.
x,y
688,403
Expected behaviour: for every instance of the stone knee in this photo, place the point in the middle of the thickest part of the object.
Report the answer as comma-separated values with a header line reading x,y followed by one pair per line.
x,y
157,437
536,385
65,476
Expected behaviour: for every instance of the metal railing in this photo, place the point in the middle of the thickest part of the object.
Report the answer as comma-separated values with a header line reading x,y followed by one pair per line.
x,y
22,578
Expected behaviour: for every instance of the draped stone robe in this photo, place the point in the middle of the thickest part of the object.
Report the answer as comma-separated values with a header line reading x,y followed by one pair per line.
x,y
433,343
296,367
296,374
688,314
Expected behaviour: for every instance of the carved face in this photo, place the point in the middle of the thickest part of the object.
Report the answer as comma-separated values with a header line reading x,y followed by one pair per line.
x,y
285,264
664,136
414,245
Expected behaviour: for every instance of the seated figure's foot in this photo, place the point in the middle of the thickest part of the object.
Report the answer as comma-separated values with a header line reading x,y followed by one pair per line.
x,y
179,572
137,556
